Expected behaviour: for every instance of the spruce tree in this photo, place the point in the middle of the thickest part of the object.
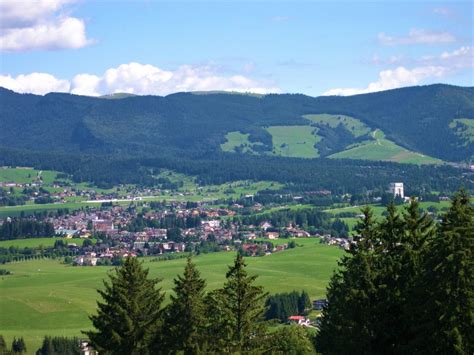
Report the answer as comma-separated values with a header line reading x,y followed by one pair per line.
x,y
347,324
18,346
130,314
236,312
448,323
185,316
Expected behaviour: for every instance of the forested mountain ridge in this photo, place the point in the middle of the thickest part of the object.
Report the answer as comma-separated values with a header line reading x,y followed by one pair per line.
x,y
417,118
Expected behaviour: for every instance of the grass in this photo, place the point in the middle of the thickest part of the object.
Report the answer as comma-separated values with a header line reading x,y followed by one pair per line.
x,y
46,297
36,242
355,126
26,175
381,148
464,128
240,140
294,141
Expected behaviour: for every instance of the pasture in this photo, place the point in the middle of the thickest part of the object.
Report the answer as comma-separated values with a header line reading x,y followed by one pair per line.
x,y
294,141
381,148
46,297
37,242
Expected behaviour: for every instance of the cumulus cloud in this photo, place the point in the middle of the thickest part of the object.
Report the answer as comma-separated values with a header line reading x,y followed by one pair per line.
x,y
39,26
392,79
34,83
140,79
417,36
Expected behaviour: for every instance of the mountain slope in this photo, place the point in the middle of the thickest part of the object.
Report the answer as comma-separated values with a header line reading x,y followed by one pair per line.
x,y
416,118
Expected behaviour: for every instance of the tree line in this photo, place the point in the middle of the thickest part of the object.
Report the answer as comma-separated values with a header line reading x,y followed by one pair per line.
x,y
17,228
131,318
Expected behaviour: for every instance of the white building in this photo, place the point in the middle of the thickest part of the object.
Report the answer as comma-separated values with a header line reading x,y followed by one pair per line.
x,y
396,188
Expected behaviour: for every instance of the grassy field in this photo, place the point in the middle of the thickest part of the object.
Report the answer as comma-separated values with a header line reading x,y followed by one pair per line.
x,y
464,128
383,149
238,140
47,297
356,127
26,175
36,242
294,141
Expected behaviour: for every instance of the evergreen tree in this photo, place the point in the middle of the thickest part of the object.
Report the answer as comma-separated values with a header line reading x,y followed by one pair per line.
x,y
185,316
347,324
236,312
130,314
18,346
448,322
304,303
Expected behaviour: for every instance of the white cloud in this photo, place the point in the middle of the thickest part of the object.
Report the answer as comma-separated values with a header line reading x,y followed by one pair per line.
x,y
41,25
392,79
140,79
417,36
460,58
35,83
66,33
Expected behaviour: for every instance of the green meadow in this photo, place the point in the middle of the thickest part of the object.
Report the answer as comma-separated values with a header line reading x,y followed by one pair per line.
x,y
45,297
37,242
294,141
355,126
381,148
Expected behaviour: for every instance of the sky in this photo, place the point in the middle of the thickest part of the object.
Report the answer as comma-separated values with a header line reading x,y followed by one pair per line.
x,y
150,47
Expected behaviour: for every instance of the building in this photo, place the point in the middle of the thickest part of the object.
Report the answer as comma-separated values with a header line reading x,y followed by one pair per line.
x,y
396,188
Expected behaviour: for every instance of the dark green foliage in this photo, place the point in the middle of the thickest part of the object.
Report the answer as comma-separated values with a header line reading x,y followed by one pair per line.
x,y
130,315
405,287
335,139
290,340
185,318
447,324
25,228
59,346
18,346
236,313
282,305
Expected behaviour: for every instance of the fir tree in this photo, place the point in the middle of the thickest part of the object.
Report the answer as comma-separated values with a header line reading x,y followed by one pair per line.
x,y
347,324
130,314
18,346
236,312
448,322
185,316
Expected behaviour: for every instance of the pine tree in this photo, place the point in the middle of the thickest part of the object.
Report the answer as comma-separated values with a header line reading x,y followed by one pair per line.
x,y
185,316
130,314
18,346
448,323
304,303
236,312
347,324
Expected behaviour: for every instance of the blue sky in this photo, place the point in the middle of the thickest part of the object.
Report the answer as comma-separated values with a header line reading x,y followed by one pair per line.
x,y
156,47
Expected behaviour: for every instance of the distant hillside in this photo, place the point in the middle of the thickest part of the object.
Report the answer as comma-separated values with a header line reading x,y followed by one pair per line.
x,y
417,124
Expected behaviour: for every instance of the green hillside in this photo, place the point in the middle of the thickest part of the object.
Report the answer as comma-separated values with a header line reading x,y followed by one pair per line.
x,y
294,141
380,148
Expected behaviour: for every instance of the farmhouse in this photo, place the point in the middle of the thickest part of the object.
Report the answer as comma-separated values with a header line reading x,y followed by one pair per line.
x,y
299,320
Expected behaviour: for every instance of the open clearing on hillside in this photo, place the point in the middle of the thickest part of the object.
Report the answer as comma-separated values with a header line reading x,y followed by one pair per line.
x,y
355,126
294,141
238,141
464,128
383,149
46,297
